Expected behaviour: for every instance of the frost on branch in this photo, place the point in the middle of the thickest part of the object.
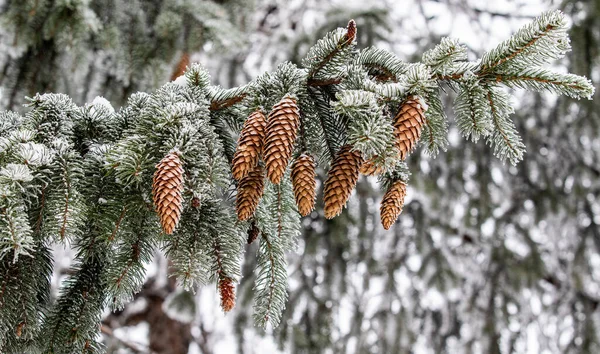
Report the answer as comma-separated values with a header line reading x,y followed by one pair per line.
x,y
84,175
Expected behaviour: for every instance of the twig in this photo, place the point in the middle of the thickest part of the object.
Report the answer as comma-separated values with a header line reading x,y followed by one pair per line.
x,y
217,105
135,347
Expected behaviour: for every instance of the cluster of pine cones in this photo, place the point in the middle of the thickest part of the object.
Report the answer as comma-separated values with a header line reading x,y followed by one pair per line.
x,y
272,139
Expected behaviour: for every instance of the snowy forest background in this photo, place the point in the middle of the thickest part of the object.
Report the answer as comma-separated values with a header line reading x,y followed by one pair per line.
x,y
486,257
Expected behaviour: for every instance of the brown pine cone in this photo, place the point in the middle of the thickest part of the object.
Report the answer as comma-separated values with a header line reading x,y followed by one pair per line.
x,y
351,31
249,191
371,167
407,125
183,63
253,233
392,203
303,180
250,145
227,292
167,188
341,180
282,130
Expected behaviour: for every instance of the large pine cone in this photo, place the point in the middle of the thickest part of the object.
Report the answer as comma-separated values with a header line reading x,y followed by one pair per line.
x,y
408,124
341,180
282,130
303,180
392,203
250,145
167,188
249,191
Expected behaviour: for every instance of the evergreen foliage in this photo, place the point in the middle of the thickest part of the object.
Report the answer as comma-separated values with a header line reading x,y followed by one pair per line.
x,y
83,175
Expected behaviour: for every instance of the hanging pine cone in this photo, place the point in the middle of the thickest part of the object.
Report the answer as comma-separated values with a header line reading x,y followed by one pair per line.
x,y
371,167
341,180
282,130
249,191
392,203
227,292
167,188
250,145
183,63
303,180
253,232
407,125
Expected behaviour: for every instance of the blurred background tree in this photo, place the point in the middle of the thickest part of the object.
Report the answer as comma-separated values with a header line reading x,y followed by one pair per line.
x,y
486,257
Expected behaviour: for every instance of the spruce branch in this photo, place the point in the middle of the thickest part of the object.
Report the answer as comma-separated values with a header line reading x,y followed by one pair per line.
x,y
442,57
543,40
505,138
472,109
325,59
381,64
538,79
85,173
435,131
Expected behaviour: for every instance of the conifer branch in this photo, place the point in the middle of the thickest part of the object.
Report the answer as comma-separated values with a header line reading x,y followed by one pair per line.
x,y
117,224
84,173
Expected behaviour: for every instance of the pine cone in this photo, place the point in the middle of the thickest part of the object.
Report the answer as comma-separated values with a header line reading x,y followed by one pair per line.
x,y
253,233
250,145
371,167
351,31
167,188
341,180
282,130
249,191
303,180
227,292
183,63
407,125
392,203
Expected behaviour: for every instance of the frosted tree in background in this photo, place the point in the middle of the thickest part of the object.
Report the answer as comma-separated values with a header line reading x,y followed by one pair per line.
x,y
99,178
112,49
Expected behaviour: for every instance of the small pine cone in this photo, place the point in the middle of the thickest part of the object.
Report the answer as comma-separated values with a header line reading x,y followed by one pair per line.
x,y
183,63
250,145
371,167
351,31
408,124
253,233
19,330
167,188
341,180
249,191
227,292
282,130
392,203
305,185
196,202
